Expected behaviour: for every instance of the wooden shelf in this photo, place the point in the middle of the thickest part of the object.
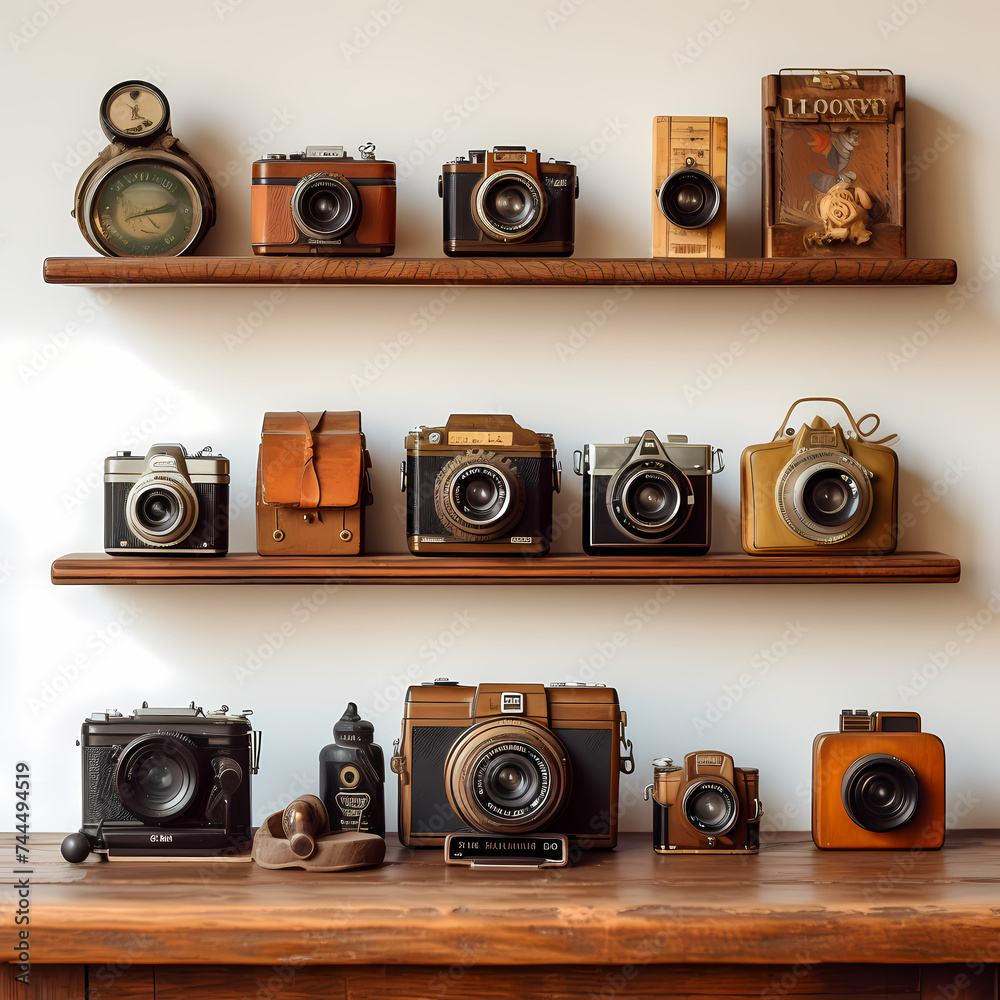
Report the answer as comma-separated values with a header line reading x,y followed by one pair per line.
x,y
248,567
493,271
790,903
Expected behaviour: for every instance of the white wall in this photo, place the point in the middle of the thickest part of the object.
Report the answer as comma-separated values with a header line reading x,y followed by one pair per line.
x,y
149,364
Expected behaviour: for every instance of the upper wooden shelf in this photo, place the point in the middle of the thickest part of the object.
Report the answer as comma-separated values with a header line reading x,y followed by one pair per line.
x,y
248,567
491,271
789,904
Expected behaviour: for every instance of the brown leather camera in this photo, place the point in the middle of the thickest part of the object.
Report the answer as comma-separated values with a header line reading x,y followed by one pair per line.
x,y
878,783
323,202
820,487
708,806
510,759
312,484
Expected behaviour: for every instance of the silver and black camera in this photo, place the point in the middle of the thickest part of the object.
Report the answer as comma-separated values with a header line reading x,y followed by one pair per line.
x,y
646,498
166,782
169,501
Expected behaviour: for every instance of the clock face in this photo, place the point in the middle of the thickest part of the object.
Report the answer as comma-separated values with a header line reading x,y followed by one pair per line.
x,y
133,110
146,209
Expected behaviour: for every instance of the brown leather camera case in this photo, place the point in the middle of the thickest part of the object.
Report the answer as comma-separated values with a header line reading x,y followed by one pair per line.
x,y
312,484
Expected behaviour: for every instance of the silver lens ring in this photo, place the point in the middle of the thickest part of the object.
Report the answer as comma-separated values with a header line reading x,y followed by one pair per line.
x,y
175,491
792,495
485,219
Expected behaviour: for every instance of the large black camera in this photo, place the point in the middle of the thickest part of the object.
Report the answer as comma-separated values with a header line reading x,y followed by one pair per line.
x,y
508,202
166,782
169,501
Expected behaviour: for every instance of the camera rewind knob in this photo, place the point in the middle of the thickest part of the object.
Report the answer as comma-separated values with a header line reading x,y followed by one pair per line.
x,y
75,848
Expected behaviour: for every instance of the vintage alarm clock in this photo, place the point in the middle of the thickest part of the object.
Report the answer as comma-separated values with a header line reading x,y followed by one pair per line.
x,y
145,195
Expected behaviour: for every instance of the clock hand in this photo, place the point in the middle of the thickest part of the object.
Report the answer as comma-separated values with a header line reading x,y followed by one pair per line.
x,y
150,211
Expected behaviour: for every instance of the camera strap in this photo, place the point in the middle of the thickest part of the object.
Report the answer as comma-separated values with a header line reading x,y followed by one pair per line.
x,y
865,436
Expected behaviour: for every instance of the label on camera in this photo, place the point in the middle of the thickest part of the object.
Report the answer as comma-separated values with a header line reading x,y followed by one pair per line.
x,y
708,759
521,539
465,438
536,850
823,438
509,156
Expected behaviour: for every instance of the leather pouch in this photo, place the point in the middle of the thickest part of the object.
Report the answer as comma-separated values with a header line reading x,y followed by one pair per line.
x,y
312,484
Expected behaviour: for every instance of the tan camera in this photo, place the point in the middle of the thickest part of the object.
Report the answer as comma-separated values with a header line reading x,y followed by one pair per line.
x,y
510,759
708,806
878,783
821,486
689,187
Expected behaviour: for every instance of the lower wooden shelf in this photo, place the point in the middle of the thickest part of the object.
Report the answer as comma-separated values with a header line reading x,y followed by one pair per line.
x,y
248,567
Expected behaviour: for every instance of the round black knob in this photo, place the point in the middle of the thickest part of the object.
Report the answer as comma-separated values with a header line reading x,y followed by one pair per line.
x,y
75,848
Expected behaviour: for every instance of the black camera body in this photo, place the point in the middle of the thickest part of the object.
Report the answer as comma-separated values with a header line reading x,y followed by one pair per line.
x,y
481,485
166,782
169,502
646,498
508,202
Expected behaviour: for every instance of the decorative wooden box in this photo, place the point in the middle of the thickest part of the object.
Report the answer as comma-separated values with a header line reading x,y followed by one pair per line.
x,y
833,164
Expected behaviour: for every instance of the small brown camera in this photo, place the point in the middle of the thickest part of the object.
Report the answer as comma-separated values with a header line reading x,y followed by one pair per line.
x,y
878,783
312,484
323,202
689,187
511,759
821,486
708,806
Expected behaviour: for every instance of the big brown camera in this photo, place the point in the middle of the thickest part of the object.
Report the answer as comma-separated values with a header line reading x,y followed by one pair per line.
x,y
820,486
323,202
878,783
510,759
706,806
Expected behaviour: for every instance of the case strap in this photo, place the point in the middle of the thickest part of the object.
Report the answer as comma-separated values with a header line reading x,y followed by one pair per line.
x,y
310,490
855,424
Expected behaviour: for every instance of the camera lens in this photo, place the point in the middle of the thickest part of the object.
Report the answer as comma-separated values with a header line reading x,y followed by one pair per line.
x,y
649,502
480,492
509,204
325,206
880,792
478,496
824,495
158,510
710,807
503,776
830,497
690,198
162,509
157,776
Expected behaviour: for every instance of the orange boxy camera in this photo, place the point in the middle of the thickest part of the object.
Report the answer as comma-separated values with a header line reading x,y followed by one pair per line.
x,y
323,202
878,783
820,486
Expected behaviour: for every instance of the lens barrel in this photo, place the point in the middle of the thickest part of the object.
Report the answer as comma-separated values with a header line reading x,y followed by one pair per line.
x,y
157,776
325,206
689,198
880,792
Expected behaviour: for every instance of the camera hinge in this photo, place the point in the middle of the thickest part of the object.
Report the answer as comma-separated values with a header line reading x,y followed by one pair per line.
x,y
255,751
626,762
398,763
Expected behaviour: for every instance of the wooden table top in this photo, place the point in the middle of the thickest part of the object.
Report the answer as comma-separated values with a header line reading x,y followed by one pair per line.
x,y
791,903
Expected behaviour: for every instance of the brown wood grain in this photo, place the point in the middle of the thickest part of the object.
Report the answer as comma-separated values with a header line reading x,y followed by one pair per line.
x,y
46,982
492,271
789,904
248,567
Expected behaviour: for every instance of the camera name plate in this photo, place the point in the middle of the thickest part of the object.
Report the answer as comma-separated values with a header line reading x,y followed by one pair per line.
x,y
504,439
484,850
